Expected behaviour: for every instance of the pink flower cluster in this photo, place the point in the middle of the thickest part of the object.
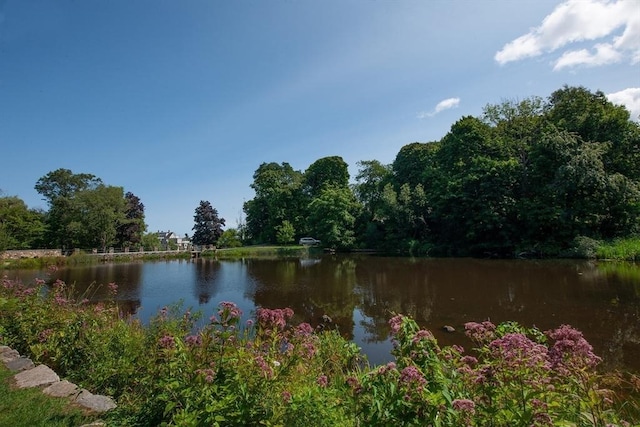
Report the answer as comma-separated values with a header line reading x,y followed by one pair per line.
x,y
480,332
229,314
570,349
273,319
167,341
395,323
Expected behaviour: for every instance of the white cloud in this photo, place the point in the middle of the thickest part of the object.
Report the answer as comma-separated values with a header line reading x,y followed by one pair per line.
x,y
630,98
604,54
445,104
578,21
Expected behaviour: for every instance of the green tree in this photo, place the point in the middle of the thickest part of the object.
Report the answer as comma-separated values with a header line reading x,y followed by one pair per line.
x,y
285,233
150,241
595,119
208,226
20,227
326,172
99,212
332,217
278,197
132,228
59,188
229,239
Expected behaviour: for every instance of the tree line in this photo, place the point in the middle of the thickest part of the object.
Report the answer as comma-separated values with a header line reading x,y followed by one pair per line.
x,y
534,176
83,212
541,177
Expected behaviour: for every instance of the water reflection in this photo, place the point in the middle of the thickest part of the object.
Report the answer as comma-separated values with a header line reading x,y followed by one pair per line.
x,y
360,293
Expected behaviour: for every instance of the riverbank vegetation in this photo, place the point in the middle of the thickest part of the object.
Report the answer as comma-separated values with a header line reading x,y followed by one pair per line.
x,y
554,177
264,368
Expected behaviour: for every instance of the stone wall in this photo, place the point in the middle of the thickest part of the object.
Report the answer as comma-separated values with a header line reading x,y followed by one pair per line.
x,y
30,253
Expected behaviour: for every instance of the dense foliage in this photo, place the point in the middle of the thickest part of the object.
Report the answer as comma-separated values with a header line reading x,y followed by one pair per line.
x,y
86,213
183,370
533,177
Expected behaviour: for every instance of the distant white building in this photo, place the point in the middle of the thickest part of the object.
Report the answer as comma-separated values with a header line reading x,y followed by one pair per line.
x,y
169,238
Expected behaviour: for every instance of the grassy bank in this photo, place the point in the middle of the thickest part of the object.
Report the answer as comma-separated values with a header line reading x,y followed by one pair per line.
x,y
621,249
31,408
88,259
262,251
270,370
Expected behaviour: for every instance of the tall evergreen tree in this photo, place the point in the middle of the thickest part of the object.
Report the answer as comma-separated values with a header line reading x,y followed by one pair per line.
x,y
208,226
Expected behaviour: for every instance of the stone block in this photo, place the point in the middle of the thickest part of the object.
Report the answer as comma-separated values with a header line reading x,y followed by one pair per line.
x,y
41,375
95,402
7,354
61,389
19,364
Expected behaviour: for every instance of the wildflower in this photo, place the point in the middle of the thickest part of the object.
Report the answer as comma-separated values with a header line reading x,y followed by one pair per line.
x,y
113,288
44,335
249,323
303,329
354,384
480,332
464,405
264,366
193,340
412,376
229,313
469,360
167,341
286,396
276,318
39,282
570,349
421,335
395,323
322,381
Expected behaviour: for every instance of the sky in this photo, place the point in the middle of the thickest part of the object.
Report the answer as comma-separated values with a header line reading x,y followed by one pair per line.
x,y
181,101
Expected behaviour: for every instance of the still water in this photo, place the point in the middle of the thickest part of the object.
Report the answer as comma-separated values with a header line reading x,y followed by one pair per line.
x,y
360,293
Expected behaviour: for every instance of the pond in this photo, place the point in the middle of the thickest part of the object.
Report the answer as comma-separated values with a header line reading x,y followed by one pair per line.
x,y
360,293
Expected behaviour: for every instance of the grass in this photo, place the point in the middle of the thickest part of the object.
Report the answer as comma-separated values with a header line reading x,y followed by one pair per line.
x,y
31,408
262,251
621,249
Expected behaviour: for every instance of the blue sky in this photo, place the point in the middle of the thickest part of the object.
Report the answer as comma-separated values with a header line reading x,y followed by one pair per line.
x,y
181,101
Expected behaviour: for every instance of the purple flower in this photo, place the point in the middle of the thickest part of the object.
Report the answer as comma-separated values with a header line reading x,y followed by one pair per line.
x,y
193,340
113,288
303,329
570,349
422,335
286,396
412,376
167,341
395,323
464,405
322,381
480,332
273,319
229,314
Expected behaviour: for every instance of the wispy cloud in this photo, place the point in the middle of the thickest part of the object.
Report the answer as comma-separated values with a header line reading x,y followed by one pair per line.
x,y
630,98
578,21
445,104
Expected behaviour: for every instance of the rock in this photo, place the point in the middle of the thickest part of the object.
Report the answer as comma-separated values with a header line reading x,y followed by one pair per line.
x,y
448,328
19,364
41,375
7,354
95,402
61,389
